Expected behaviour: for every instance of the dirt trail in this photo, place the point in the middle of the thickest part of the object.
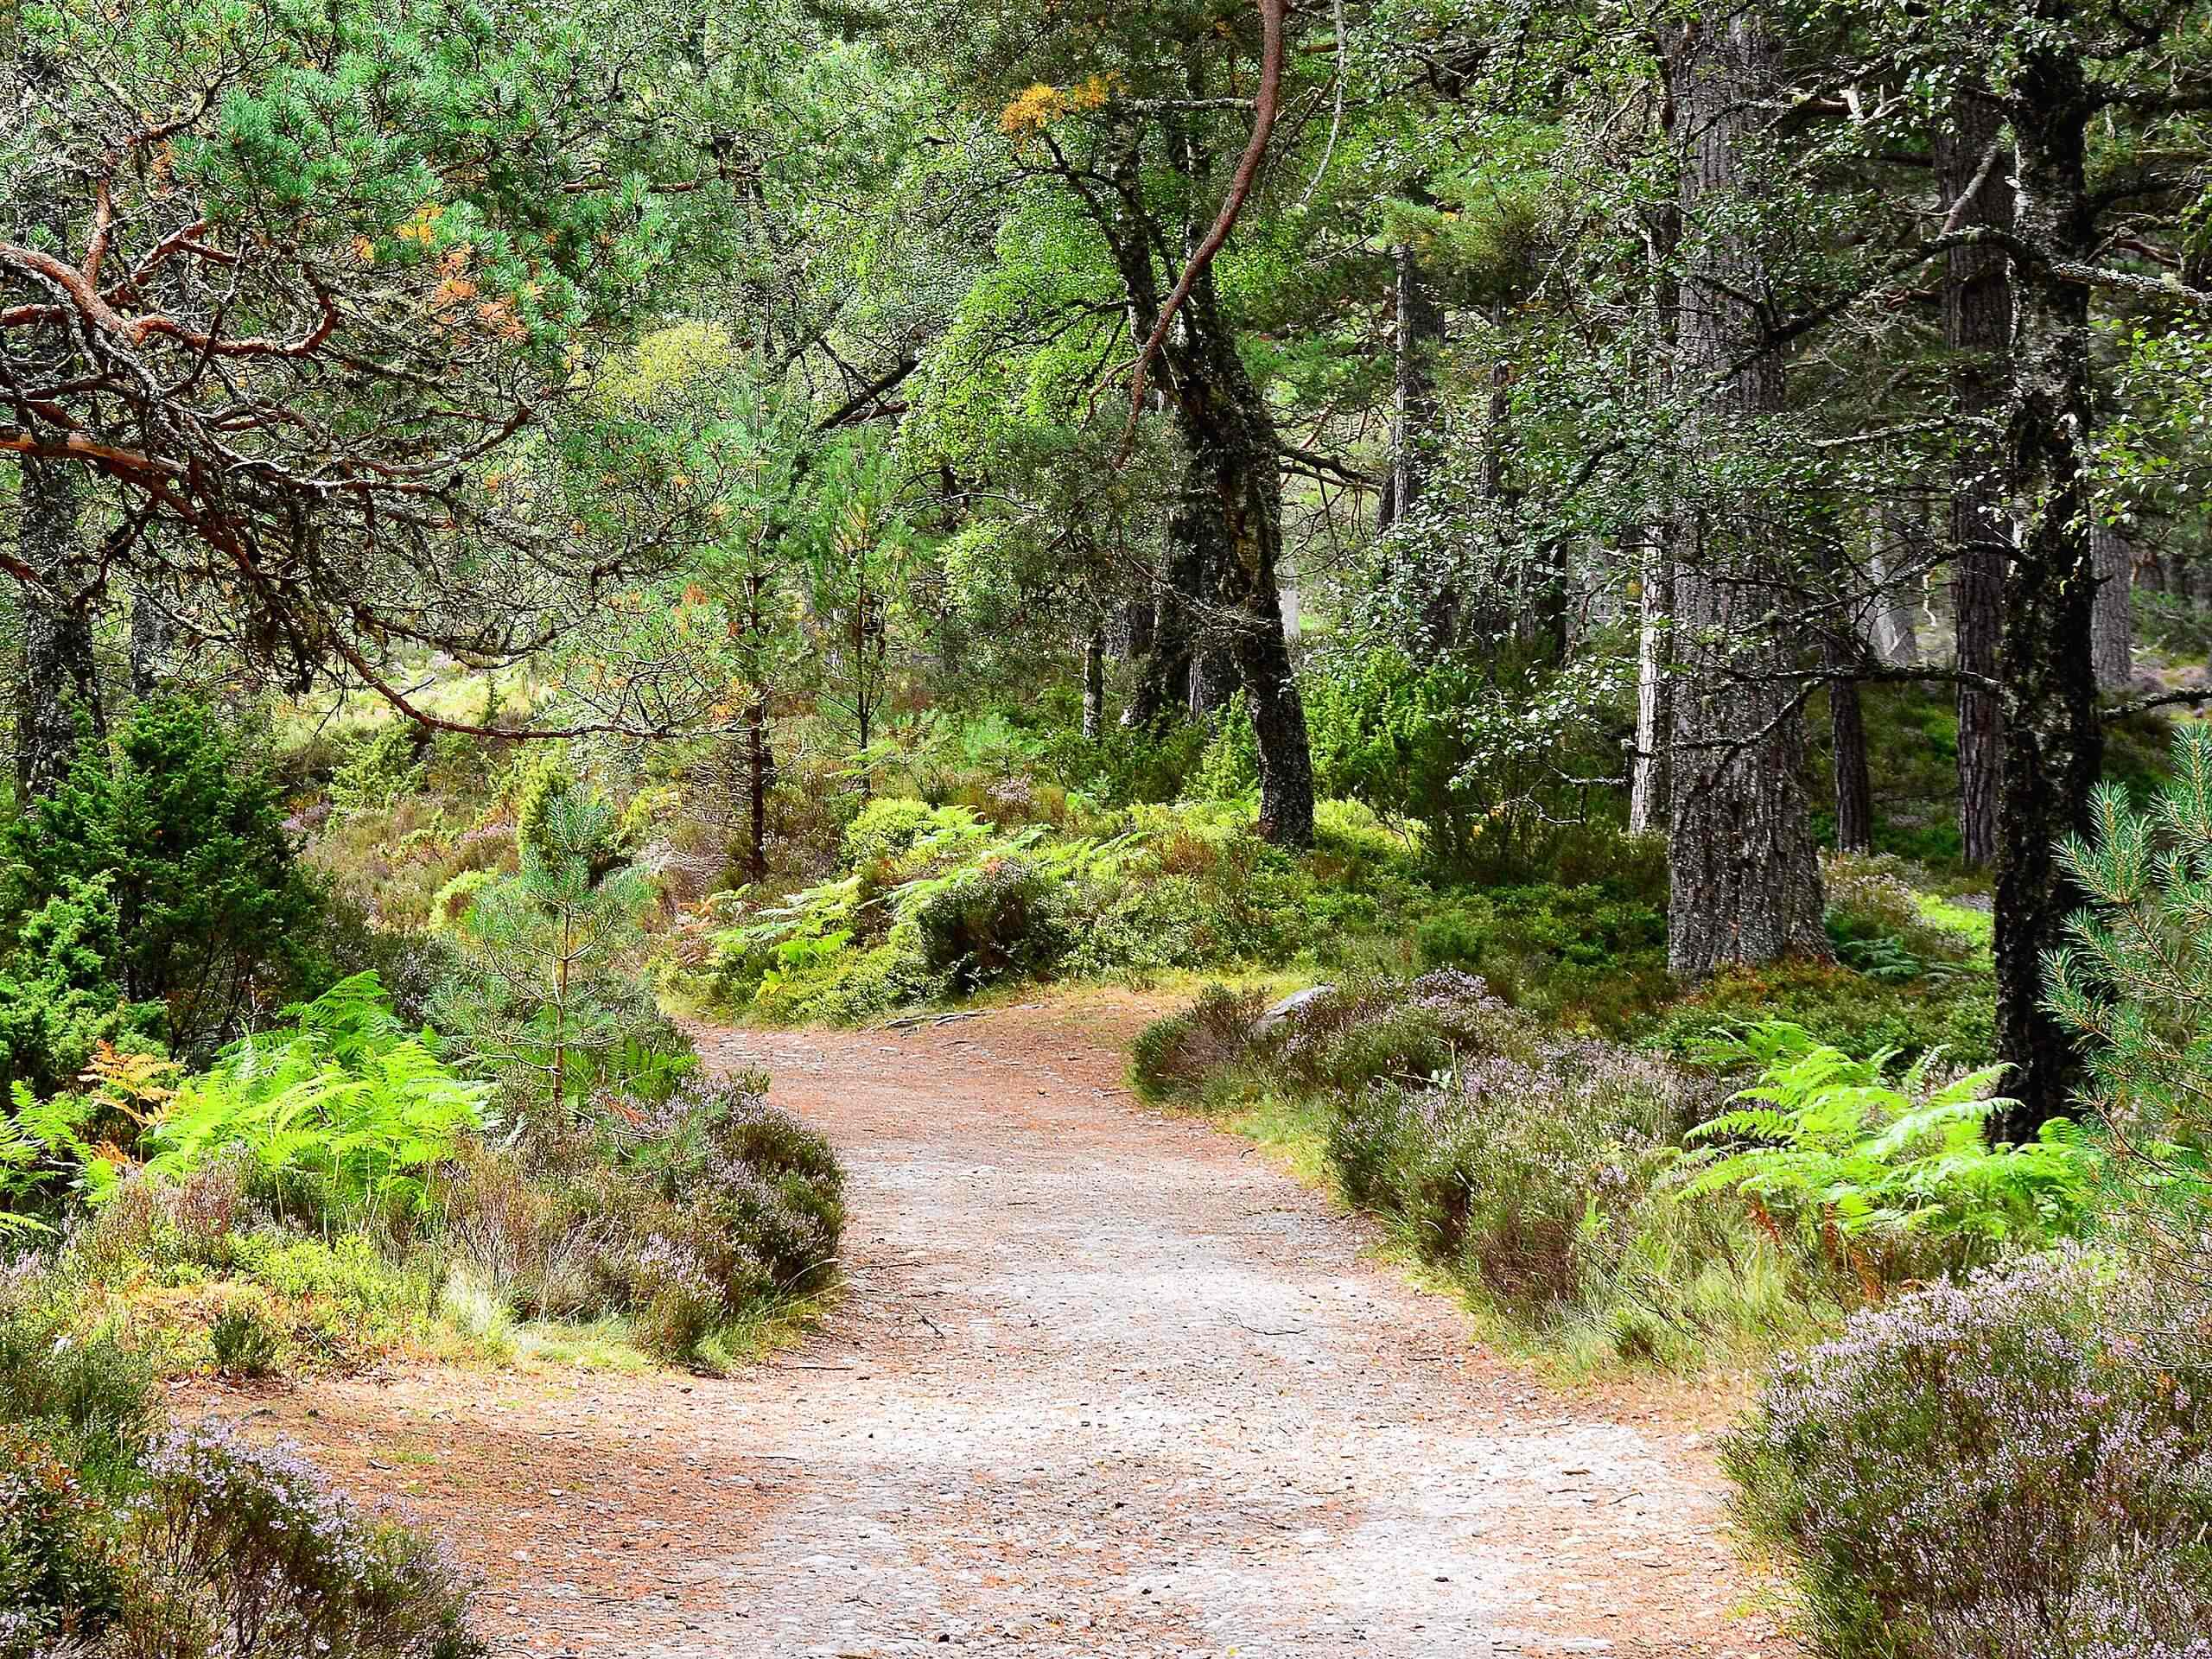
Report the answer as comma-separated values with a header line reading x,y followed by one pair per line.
x,y
1106,1384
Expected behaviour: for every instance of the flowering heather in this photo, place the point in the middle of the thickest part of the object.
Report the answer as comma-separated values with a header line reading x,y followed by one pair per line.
x,y
245,1551
2012,1466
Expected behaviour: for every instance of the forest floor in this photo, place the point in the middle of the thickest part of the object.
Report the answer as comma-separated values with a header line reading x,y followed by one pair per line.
x,y
1105,1382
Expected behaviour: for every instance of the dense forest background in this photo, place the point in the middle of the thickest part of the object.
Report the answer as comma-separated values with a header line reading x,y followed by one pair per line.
x,y
1573,527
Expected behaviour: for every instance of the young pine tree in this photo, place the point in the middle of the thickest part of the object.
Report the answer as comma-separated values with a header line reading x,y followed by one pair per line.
x,y
547,1003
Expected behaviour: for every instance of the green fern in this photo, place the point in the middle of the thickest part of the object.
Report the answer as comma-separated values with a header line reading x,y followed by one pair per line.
x,y
1831,1143
347,1103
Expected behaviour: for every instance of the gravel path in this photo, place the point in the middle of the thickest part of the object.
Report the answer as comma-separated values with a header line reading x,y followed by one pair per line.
x,y
1106,1384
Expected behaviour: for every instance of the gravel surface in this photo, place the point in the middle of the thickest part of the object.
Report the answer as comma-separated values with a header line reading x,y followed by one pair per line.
x,y
1106,1382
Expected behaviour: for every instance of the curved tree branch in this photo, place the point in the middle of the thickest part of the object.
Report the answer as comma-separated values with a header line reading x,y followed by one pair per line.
x,y
1264,108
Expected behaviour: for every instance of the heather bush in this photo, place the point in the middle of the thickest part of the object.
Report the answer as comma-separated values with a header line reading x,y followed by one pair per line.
x,y
92,1399
235,1550
58,1587
679,1214
1177,1053
2013,1466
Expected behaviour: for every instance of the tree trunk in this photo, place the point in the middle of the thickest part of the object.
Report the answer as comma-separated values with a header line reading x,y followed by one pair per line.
x,y
1648,792
60,686
1094,686
150,645
1163,684
760,776
2054,747
1418,340
1977,329
1854,788
1745,884
2113,622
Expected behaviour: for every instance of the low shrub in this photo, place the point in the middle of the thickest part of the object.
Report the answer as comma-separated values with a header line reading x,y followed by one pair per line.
x,y
89,1397
236,1549
58,1583
1839,1005
243,1341
2010,1468
1001,918
678,1213
1178,1053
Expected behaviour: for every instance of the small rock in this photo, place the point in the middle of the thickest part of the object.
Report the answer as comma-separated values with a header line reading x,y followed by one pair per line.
x,y
1290,1006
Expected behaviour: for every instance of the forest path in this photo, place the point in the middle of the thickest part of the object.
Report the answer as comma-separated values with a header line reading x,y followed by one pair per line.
x,y
1106,1382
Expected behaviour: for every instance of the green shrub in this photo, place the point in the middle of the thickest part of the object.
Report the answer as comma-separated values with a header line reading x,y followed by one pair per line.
x,y
996,920
58,1586
887,827
245,1342
1837,1006
211,910
2010,1468
236,1549
1178,1052
90,1398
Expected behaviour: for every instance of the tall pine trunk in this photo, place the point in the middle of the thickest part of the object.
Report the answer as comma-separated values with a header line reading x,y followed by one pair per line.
x,y
2054,745
1235,469
1977,329
2112,624
60,687
1744,878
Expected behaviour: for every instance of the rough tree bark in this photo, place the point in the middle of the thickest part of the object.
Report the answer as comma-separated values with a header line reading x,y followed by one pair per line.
x,y
2054,745
1746,883
1655,687
1855,786
1977,329
60,686
1093,685
2112,639
150,645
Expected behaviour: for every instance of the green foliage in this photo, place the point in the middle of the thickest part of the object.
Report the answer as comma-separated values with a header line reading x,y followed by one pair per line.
x,y
345,1114
887,827
60,995
381,765
58,1583
2135,981
1838,1005
188,838
1894,1177
1593,957
545,1000
2010,1466
1129,895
